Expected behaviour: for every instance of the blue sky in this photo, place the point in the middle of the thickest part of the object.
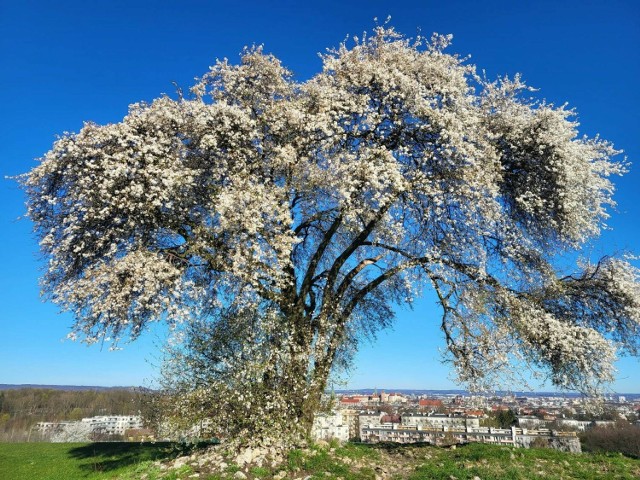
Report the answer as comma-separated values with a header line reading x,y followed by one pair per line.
x,y
67,62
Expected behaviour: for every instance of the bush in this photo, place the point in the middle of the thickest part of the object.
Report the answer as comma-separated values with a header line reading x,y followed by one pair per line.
x,y
623,438
539,442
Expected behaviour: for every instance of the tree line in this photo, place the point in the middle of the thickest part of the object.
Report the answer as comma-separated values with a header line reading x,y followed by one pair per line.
x,y
21,409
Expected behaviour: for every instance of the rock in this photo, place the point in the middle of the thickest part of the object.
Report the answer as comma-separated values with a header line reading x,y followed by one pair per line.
x,y
180,462
245,456
477,478
222,466
280,475
195,475
239,475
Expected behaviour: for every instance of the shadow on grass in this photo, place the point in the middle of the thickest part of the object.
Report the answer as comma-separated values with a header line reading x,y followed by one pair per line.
x,y
107,456
468,450
393,447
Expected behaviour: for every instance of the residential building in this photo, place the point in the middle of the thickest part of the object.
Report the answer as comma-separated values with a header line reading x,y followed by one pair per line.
x,y
328,426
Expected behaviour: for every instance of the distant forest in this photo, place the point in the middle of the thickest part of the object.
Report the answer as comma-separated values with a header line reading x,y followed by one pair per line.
x,y
21,409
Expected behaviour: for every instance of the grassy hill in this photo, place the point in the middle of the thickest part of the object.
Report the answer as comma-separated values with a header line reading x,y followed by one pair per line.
x,y
87,461
128,461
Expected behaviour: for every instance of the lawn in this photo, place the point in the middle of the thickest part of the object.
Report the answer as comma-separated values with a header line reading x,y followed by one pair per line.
x,y
133,461
69,461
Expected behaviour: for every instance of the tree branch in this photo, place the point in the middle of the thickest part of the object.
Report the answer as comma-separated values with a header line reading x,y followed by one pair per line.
x,y
353,246
346,282
315,259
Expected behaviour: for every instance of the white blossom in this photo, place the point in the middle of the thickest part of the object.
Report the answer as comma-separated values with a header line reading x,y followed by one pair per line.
x,y
288,217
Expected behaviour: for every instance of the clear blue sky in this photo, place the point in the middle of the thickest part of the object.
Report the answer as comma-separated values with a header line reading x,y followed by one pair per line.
x,y
66,62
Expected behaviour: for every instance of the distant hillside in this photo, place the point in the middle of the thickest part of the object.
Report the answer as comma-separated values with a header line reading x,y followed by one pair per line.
x,y
9,386
500,393
404,391
23,406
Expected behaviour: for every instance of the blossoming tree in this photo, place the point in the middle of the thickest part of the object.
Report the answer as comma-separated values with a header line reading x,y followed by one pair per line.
x,y
282,219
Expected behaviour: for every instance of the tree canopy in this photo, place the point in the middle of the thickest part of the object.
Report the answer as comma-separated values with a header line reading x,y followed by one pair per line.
x,y
292,216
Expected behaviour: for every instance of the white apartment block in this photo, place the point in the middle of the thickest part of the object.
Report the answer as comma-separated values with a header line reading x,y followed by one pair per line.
x,y
579,425
328,426
426,421
515,437
369,419
82,430
529,421
113,424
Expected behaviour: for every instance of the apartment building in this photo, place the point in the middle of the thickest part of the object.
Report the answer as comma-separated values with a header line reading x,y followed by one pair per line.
x,y
81,431
328,426
425,420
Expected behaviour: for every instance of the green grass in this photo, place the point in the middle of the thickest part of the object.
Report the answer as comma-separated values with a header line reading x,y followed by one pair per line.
x,y
70,461
490,462
131,461
329,462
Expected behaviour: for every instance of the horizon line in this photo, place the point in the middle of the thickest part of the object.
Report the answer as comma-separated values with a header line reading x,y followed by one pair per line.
x,y
374,389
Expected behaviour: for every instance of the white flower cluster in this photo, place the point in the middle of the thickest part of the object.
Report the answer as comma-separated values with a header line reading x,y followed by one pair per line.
x,y
316,205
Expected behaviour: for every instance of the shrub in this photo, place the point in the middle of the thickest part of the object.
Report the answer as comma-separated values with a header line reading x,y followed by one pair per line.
x,y
623,438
